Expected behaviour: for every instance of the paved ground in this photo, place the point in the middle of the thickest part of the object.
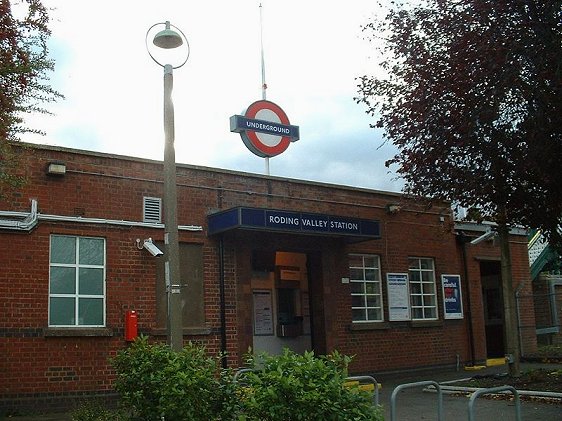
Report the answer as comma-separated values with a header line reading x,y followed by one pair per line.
x,y
415,404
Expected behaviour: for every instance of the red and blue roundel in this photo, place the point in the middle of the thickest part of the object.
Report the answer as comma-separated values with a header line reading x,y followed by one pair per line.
x,y
264,129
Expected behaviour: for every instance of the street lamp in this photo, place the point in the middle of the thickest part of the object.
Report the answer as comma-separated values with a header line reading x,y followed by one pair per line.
x,y
168,39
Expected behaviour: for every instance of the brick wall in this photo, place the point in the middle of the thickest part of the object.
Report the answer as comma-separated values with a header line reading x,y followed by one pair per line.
x,y
37,365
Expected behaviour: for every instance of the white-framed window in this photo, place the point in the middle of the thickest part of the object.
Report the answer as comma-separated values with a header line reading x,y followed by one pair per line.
x,y
366,288
77,281
423,295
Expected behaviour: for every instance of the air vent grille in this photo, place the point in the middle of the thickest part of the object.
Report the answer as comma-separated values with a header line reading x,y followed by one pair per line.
x,y
152,210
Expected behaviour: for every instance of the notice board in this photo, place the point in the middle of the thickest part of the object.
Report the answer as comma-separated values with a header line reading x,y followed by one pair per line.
x,y
263,312
398,296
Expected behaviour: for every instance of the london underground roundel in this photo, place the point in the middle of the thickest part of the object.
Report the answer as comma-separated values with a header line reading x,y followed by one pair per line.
x,y
264,129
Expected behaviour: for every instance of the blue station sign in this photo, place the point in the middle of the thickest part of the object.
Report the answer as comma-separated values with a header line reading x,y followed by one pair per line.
x,y
295,222
240,123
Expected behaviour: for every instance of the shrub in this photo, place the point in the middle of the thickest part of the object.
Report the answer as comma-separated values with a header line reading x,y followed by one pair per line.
x,y
302,387
95,411
154,381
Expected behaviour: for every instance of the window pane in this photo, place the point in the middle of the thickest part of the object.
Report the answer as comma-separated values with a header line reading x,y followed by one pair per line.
x,y
370,261
358,315
63,249
61,311
91,251
415,288
371,275
414,263
357,287
427,276
90,311
373,301
357,301
374,314
416,300
414,276
91,281
417,313
429,313
429,300
372,288
428,288
426,264
63,280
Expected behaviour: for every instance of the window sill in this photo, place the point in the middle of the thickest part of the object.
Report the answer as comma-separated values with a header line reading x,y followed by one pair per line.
x,y
77,331
186,331
369,326
426,323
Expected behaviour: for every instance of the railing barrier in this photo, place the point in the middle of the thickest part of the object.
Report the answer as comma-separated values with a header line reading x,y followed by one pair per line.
x,y
489,390
417,384
366,383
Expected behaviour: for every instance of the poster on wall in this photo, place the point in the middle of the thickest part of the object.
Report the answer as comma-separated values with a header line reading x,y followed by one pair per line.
x,y
263,313
398,296
452,296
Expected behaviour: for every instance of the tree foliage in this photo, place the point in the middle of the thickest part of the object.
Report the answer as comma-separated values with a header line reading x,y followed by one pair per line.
x,y
24,68
472,98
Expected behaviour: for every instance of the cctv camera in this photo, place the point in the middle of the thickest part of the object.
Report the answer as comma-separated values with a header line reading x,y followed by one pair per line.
x,y
151,247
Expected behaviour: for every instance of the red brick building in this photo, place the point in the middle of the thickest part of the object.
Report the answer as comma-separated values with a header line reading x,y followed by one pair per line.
x,y
267,263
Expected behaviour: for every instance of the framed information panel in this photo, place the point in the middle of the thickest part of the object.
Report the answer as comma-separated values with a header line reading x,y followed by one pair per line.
x,y
263,312
398,296
452,296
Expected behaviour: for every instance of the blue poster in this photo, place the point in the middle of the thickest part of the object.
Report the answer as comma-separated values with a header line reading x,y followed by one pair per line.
x,y
452,296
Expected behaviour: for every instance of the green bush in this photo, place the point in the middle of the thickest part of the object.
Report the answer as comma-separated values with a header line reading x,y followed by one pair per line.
x,y
302,387
154,381
95,411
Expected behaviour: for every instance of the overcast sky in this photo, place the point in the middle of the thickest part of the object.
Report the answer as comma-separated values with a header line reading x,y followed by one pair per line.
x,y
314,50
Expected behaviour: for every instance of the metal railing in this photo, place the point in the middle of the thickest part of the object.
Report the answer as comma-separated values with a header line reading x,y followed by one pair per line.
x,y
489,390
369,382
417,384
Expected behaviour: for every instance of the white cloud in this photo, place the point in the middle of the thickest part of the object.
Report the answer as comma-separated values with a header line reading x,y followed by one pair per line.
x,y
313,52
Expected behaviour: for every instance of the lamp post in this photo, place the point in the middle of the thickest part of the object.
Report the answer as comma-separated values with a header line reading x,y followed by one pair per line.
x,y
168,39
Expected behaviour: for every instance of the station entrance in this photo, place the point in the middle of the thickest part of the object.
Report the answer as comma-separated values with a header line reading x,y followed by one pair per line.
x,y
492,297
281,305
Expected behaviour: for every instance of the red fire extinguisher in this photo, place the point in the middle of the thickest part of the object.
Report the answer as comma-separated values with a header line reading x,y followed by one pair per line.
x,y
131,323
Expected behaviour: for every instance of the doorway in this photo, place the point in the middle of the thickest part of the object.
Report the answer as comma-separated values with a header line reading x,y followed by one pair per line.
x,y
281,306
490,275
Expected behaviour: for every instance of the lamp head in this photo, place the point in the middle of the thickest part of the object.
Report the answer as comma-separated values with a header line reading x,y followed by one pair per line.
x,y
167,38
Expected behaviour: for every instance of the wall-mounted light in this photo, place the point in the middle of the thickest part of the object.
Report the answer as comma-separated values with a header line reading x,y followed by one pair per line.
x,y
393,208
56,168
150,246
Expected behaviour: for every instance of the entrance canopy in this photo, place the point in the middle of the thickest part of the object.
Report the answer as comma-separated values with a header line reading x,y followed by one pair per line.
x,y
273,220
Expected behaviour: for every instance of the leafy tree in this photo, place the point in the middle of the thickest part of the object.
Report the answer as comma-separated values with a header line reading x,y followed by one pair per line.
x,y
24,65
472,98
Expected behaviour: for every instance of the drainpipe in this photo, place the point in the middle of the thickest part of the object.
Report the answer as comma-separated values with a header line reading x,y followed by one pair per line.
x,y
26,224
464,240
222,304
517,292
22,221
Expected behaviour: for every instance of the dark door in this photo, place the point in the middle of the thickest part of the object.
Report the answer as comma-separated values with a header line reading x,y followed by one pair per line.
x,y
493,308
